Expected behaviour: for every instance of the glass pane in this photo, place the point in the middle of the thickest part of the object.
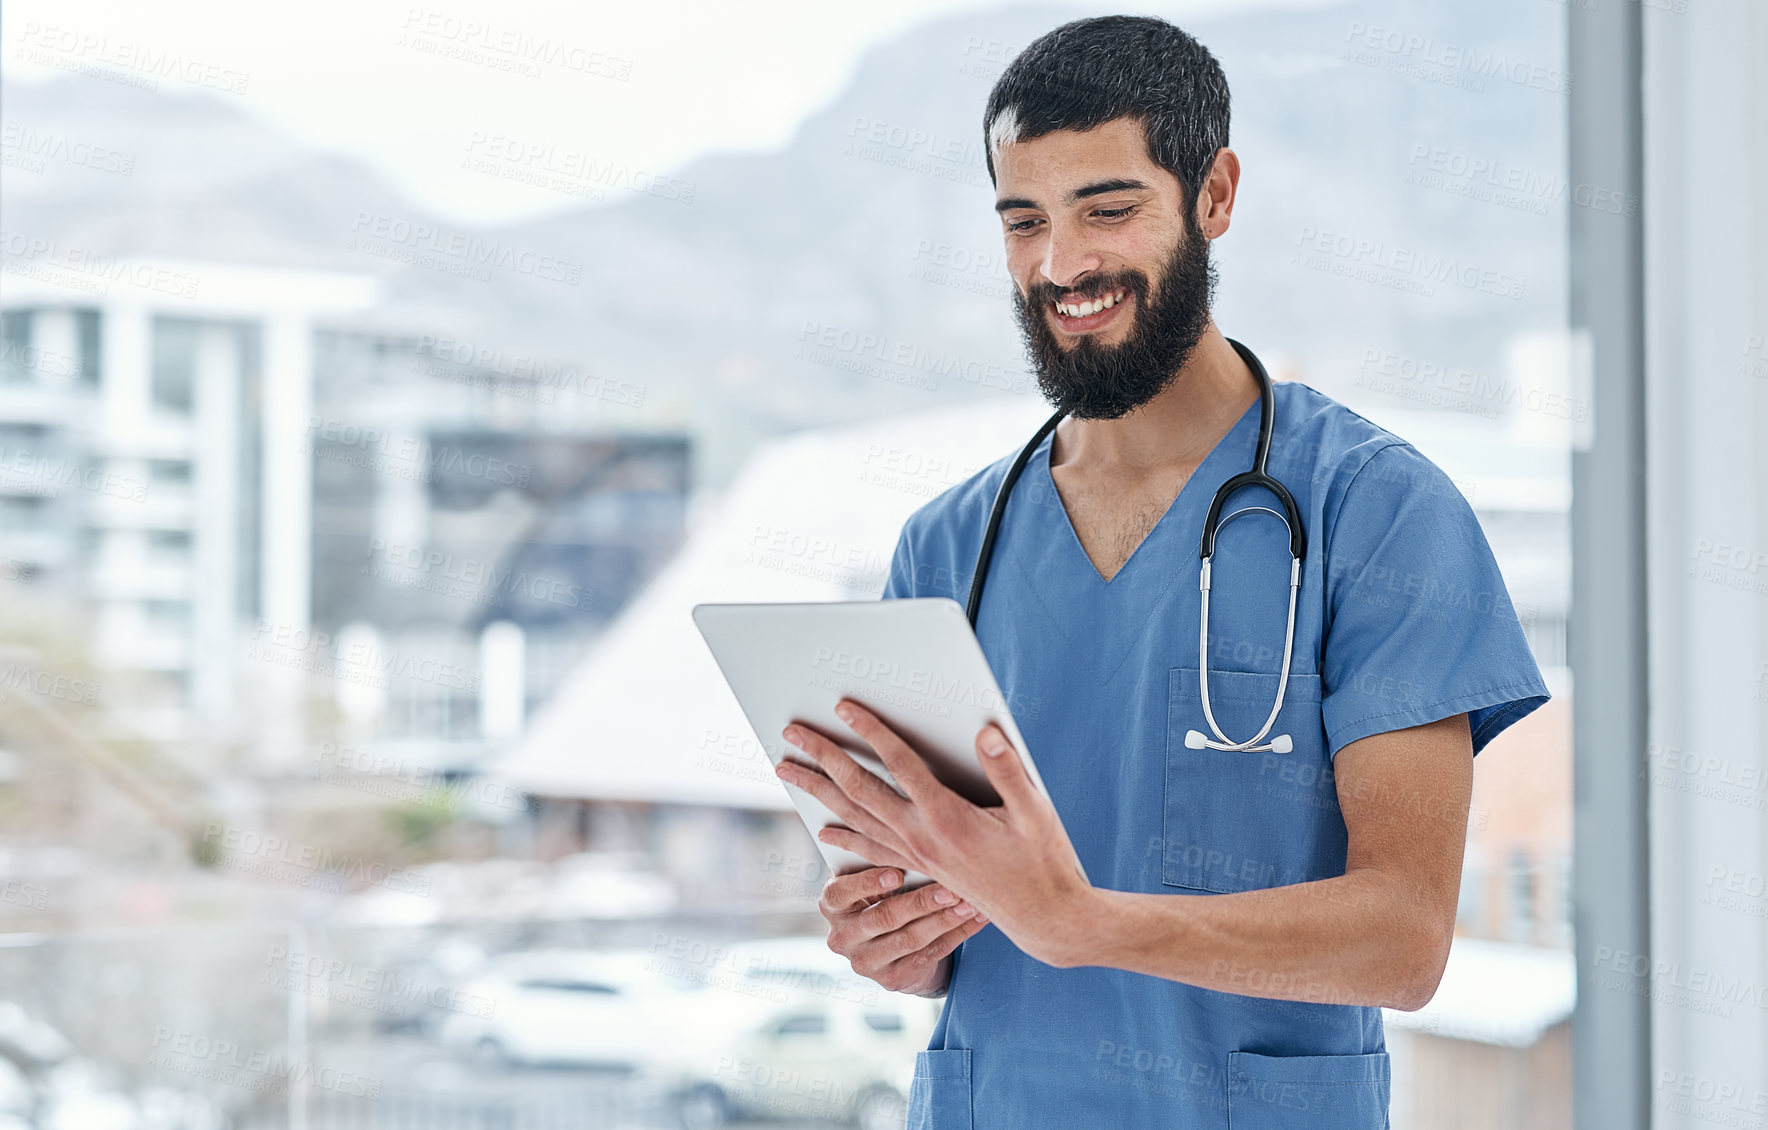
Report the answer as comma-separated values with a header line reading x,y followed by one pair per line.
x,y
366,443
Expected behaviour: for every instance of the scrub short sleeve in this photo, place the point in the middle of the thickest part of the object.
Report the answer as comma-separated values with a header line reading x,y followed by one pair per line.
x,y
1420,625
901,581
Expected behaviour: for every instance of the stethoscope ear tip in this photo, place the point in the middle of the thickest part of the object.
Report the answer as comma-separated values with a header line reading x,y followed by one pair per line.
x,y
1282,743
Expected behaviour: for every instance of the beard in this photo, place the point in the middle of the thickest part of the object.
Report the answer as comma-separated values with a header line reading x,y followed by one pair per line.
x,y
1090,381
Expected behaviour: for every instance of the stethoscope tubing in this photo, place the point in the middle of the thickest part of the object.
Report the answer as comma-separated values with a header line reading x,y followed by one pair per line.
x,y
1212,524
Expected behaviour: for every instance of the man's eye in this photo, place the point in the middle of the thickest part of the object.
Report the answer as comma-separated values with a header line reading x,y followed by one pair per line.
x,y
1021,226
1114,213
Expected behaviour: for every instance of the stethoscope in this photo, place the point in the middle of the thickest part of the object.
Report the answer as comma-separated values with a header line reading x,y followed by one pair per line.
x,y
1212,524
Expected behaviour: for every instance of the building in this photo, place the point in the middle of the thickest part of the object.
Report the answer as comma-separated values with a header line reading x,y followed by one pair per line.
x,y
285,520
1493,1047
154,413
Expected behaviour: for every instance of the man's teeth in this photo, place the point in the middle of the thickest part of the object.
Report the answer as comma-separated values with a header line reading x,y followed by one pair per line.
x,y
1083,309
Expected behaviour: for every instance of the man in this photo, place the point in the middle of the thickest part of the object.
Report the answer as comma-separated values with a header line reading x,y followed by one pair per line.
x,y
1249,912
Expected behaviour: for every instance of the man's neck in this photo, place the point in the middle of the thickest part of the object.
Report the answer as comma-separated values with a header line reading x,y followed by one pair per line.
x,y
1177,428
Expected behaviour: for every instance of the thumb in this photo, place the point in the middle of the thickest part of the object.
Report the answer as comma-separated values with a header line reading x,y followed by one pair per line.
x,y
1006,772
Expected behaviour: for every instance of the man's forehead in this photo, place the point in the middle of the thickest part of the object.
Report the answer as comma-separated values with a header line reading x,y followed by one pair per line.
x,y
1063,164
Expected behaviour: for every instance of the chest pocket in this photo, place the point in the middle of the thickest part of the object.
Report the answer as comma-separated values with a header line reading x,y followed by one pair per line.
x,y
1243,821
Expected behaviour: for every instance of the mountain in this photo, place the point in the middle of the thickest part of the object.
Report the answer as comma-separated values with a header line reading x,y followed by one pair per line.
x,y
859,269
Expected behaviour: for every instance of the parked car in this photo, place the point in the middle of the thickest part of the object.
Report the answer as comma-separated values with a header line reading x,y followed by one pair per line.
x,y
45,1085
420,979
565,1008
828,1045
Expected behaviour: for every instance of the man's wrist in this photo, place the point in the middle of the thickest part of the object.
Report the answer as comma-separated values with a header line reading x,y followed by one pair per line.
x,y
1086,921
942,977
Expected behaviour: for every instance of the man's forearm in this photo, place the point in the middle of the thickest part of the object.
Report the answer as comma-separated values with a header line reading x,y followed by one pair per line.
x,y
1361,938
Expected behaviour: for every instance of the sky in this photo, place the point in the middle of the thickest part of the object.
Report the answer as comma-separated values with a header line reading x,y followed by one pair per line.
x,y
417,89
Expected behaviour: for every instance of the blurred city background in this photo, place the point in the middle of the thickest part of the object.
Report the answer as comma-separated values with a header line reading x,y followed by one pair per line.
x,y
379,388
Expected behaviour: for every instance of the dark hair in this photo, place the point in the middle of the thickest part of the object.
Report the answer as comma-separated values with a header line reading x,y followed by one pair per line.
x,y
1089,72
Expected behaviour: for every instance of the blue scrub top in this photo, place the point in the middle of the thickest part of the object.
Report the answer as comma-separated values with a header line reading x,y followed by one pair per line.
x,y
1403,619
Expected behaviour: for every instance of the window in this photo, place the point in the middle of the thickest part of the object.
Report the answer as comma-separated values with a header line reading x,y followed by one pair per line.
x,y
15,347
23,513
565,985
1523,883
174,365
169,615
807,1024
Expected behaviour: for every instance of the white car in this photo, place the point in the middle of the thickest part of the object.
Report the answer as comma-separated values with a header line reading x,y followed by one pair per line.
x,y
564,1007
45,1086
828,1044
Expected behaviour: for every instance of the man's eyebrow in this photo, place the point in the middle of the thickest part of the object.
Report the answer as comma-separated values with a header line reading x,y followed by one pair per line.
x,y
1098,188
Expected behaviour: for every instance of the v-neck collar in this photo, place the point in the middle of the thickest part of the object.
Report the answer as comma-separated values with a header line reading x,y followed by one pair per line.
x,y
1048,484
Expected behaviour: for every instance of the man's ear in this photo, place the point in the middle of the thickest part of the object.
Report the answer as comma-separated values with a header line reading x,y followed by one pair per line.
x,y
1215,196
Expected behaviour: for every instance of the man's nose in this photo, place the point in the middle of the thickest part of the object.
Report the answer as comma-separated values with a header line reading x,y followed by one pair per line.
x,y
1067,258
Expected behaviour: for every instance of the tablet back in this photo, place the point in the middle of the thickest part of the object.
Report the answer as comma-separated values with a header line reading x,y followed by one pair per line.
x,y
913,662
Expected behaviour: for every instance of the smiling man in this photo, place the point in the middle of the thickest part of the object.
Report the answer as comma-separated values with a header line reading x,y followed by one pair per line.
x,y
1251,909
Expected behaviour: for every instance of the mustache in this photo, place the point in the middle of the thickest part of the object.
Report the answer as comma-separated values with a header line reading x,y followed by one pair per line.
x,y
1133,281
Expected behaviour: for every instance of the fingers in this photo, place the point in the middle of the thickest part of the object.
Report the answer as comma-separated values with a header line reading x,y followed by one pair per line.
x,y
860,902
918,962
861,785
845,894
868,849
917,781
912,939
934,923
897,911
834,799
1006,772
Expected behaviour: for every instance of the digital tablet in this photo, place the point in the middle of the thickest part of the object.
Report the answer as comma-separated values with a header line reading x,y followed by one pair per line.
x,y
913,662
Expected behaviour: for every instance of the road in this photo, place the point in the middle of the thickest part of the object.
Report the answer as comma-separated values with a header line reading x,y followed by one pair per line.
x,y
408,1082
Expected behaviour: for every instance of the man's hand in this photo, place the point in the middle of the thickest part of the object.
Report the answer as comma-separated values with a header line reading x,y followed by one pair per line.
x,y
1014,862
901,941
